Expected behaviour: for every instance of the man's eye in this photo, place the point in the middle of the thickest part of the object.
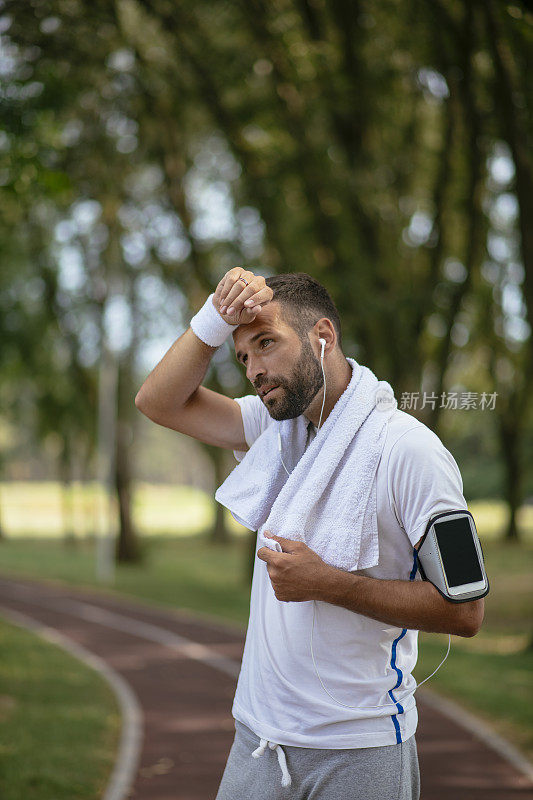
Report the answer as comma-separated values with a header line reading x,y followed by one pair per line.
x,y
243,359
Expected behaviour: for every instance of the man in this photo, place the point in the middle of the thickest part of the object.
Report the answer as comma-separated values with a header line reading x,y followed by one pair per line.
x,y
337,720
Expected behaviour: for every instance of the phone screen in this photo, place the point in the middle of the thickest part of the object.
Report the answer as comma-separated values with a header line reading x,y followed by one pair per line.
x,y
458,551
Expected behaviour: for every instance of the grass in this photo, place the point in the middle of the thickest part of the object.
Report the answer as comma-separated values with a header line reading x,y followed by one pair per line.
x,y
32,509
181,572
488,674
495,686
59,722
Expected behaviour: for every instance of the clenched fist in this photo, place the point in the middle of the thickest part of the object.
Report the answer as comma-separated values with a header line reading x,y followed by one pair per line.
x,y
238,303
297,573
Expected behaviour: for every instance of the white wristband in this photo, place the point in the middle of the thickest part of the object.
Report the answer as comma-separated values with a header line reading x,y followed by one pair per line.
x,y
209,326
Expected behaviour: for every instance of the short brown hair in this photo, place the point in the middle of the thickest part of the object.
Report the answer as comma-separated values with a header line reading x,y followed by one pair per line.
x,y
304,301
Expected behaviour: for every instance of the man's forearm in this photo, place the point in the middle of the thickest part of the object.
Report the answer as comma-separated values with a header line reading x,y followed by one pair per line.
x,y
173,381
404,604
177,376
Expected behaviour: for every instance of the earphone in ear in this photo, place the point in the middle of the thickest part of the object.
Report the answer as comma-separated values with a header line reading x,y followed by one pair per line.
x,y
323,343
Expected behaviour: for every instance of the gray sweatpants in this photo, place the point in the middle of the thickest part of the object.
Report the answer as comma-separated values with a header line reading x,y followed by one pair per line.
x,y
367,773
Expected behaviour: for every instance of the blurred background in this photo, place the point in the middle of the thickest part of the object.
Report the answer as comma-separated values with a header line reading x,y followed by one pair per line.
x,y
146,147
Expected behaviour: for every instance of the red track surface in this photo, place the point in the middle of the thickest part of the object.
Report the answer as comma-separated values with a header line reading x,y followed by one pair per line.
x,y
186,702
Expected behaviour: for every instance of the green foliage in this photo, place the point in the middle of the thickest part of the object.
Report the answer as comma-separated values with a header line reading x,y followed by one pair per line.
x,y
59,722
364,143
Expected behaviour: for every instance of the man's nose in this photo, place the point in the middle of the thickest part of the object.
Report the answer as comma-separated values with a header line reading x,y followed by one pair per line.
x,y
254,369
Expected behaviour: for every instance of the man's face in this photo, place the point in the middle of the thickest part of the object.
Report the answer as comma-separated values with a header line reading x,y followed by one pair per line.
x,y
278,357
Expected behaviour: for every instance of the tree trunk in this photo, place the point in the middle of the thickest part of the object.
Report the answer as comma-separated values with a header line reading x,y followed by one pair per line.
x,y
510,447
510,92
127,549
69,537
249,573
219,533
127,546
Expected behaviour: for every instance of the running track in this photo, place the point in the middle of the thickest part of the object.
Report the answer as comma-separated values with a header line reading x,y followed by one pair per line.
x,y
176,674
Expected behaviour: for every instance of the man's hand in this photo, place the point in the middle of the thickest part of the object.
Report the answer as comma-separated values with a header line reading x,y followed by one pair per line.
x,y
297,573
238,303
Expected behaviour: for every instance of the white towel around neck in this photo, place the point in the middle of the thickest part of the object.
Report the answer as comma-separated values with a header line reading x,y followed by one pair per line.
x,y
329,499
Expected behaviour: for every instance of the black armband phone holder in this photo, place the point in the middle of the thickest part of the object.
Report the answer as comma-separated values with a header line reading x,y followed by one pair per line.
x,y
451,558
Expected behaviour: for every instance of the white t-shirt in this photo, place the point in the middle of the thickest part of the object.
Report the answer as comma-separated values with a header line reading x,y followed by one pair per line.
x,y
362,662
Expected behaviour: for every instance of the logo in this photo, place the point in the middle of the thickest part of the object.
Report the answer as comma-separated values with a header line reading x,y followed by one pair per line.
x,y
384,400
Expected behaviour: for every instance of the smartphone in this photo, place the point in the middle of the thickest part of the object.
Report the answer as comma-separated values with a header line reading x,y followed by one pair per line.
x,y
450,556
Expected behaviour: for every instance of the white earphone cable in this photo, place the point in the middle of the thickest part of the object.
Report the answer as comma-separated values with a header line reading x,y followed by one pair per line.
x,y
386,705
323,343
363,708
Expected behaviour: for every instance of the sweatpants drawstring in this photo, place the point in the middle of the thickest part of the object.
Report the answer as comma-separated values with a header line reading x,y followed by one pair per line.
x,y
286,779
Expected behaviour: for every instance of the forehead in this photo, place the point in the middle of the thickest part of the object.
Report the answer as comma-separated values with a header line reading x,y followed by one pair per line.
x,y
268,320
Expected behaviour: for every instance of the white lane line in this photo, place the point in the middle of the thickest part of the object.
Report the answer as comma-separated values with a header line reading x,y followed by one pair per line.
x,y
185,615
203,653
480,729
144,630
129,750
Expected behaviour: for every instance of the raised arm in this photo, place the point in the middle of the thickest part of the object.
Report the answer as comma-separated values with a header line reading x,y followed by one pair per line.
x,y
172,394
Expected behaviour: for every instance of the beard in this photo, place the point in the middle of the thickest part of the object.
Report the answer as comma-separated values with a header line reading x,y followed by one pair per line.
x,y
297,392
